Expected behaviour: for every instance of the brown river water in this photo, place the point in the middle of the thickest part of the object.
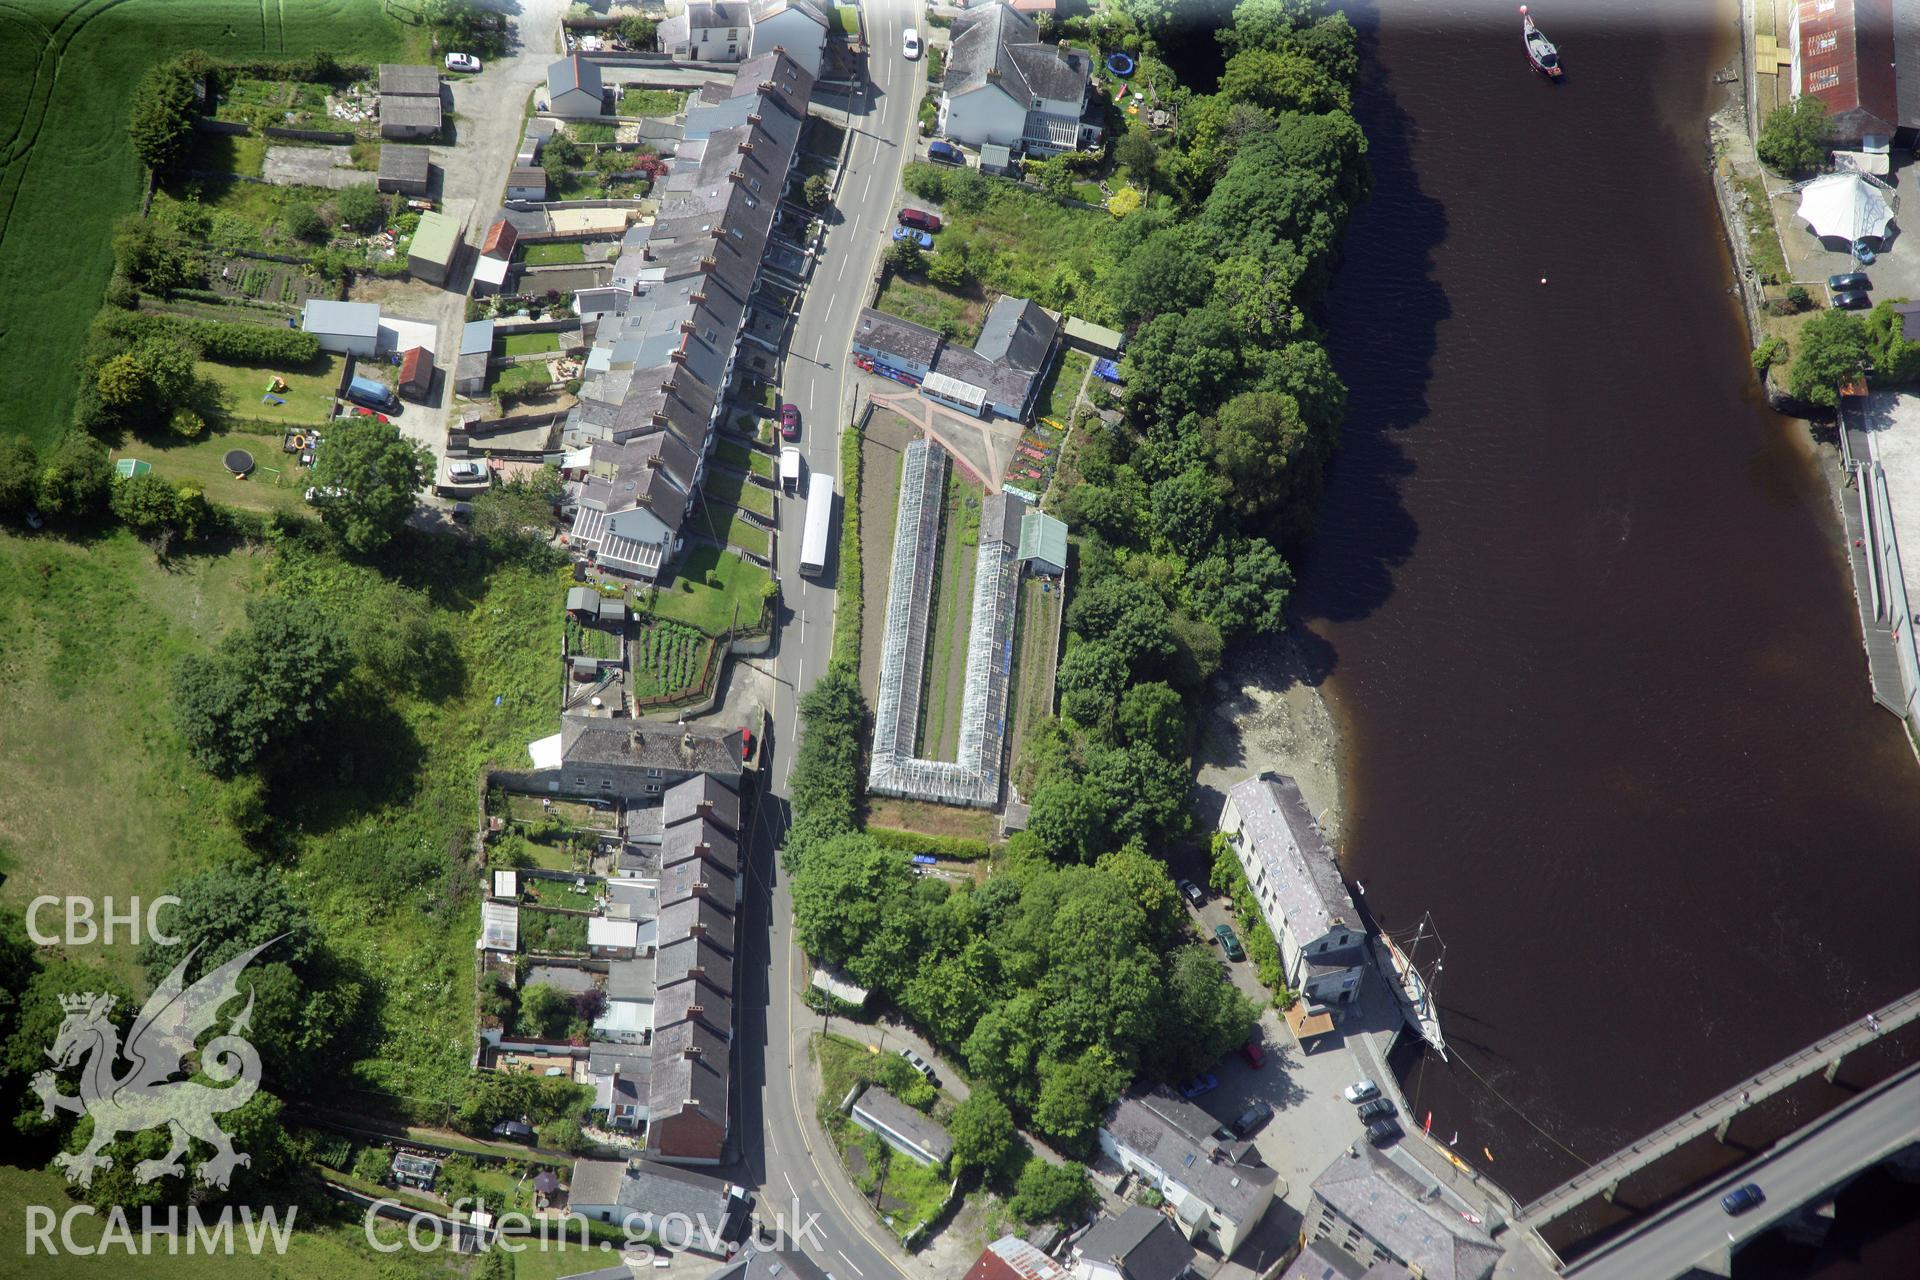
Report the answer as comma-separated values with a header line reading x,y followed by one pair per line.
x,y
1581,607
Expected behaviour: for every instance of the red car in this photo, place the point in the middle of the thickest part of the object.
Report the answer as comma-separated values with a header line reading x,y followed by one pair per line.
x,y
789,422
1253,1053
746,743
920,218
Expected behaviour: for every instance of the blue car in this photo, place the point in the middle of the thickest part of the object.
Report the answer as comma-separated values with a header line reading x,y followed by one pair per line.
x,y
1201,1084
920,238
1863,252
1741,1199
942,152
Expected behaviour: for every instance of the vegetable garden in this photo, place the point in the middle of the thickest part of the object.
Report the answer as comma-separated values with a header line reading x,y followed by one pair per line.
x,y
668,659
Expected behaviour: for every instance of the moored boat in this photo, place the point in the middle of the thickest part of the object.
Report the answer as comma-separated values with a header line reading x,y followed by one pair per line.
x,y
1540,51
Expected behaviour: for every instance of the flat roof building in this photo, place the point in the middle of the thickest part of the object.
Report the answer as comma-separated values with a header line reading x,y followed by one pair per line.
x,y
404,171
408,80
350,328
435,248
911,1133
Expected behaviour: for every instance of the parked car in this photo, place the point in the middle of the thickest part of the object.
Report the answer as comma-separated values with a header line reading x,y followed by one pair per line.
x,y
466,472
1229,942
1381,1132
910,42
917,1062
746,743
1203,1083
1378,1109
1360,1091
920,238
1256,1056
789,422
1850,281
1863,252
941,151
1741,1199
919,218
1191,892
1248,1122
1852,300
462,62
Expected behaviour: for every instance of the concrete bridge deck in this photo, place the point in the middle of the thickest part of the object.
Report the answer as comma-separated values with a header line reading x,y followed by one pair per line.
x,y
1799,1171
1709,1116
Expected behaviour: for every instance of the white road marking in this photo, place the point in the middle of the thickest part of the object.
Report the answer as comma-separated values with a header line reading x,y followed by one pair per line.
x,y
793,1190
849,1261
866,190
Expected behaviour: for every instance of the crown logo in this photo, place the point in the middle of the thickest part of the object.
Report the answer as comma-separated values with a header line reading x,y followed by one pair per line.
x,y
88,1002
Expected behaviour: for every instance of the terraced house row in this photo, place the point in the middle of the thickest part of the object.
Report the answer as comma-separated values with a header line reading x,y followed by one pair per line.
x,y
667,334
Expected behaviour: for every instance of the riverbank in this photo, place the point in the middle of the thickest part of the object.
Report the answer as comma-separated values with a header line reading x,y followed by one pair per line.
x,y
1266,712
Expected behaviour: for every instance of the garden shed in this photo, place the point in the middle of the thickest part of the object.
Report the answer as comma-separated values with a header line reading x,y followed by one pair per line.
x,y
350,328
435,248
409,117
416,373
404,171
527,182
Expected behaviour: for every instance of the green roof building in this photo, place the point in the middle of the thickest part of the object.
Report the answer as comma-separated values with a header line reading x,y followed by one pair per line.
x,y
128,468
1043,543
435,247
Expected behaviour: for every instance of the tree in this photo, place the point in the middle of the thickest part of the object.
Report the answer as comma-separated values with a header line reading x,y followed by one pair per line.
x,y
905,257
160,118
1832,353
1073,1097
121,382
849,897
1203,1018
146,504
1164,274
373,1165
1895,360
1054,175
224,912
302,221
1090,679
1136,153
1069,819
372,476
814,191
1281,82
19,473
1242,589
983,1132
1182,362
638,32
74,481
545,1011
1793,137
1187,512
360,208
263,689
1154,714
1051,1192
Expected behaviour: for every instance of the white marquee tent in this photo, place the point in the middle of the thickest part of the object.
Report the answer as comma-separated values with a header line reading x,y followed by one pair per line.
x,y
1846,206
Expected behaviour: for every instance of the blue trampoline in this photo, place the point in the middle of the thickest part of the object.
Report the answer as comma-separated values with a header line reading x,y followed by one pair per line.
x,y
1120,64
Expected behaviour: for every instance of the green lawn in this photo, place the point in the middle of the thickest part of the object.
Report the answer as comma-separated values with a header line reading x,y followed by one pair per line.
x,y
732,489
710,588
518,375
309,393
228,153
847,18
726,524
557,253
583,131
1063,384
275,484
958,315
527,344
652,102
69,171
735,454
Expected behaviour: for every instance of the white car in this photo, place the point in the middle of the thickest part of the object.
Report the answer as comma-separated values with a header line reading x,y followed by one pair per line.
x,y
1360,1091
462,62
467,471
910,42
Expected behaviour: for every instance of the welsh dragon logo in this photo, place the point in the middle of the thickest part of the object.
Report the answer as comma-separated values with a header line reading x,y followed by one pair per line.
x,y
147,1096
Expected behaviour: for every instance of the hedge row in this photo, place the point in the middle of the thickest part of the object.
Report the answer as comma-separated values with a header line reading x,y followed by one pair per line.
x,y
848,608
226,341
950,848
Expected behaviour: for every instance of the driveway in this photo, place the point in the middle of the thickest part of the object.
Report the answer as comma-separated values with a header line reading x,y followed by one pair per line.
x,y
313,167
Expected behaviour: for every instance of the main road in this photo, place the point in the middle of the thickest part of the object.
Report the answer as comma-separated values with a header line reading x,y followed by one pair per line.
x,y
796,1175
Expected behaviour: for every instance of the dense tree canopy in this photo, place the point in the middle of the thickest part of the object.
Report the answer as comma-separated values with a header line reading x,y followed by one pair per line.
x,y
263,688
1793,137
367,478
1830,352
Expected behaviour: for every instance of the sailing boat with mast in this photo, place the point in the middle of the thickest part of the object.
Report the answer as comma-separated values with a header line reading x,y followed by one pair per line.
x,y
1413,979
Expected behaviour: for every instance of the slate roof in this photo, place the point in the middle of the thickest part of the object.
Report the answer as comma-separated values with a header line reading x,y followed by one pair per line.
x,y
1003,383
679,920
719,13
630,979
770,1264
677,884
682,803
1397,1212
604,1059
624,476
403,164
1325,1260
676,961
683,840
648,1187
913,343
998,45
1018,333
689,1074
1142,1241
402,79
1176,1136
528,176
570,73
1280,833
649,744
916,1126
676,1004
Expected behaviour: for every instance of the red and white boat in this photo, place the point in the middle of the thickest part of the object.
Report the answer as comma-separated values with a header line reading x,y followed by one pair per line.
x,y
1540,51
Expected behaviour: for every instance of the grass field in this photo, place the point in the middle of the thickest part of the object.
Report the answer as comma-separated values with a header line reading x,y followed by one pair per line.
x,y
732,587
735,454
229,153
309,393
555,254
652,102
88,634
276,483
528,344
958,315
1062,387
69,172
